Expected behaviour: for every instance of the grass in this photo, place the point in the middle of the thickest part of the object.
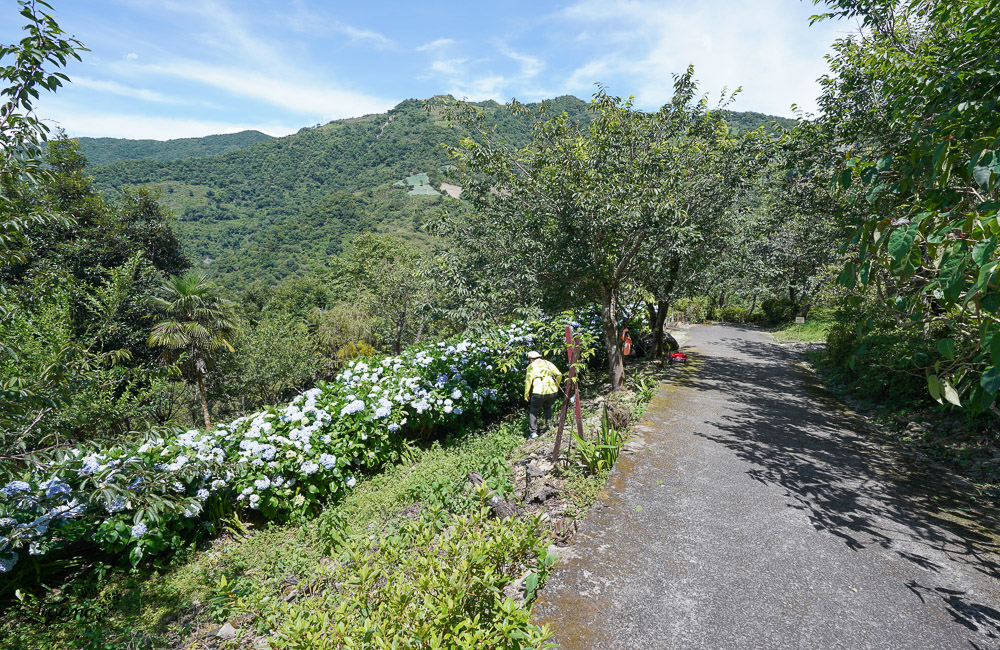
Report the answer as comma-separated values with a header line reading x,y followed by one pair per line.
x,y
814,330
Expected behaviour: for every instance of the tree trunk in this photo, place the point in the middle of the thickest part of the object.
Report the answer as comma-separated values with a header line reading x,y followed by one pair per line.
x,y
657,318
500,508
609,322
753,305
204,400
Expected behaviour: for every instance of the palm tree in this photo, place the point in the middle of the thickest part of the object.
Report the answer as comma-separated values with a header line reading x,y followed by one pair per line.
x,y
197,322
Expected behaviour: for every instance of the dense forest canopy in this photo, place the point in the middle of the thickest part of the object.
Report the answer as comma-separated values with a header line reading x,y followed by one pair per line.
x,y
104,151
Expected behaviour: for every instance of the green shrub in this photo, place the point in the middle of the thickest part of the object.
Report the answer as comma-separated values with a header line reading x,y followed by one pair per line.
x,y
778,310
437,581
734,315
877,357
691,310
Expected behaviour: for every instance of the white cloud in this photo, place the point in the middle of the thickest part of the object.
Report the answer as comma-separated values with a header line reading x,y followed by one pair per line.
x,y
365,35
116,88
306,97
436,45
530,66
146,127
765,47
131,56
482,78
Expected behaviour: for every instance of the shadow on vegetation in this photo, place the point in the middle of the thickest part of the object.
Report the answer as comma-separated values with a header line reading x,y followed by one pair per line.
x,y
798,436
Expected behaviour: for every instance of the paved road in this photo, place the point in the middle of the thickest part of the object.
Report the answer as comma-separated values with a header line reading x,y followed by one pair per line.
x,y
756,516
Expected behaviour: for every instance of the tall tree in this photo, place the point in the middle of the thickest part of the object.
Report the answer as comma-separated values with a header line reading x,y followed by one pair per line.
x,y
577,207
913,100
197,323
390,277
30,64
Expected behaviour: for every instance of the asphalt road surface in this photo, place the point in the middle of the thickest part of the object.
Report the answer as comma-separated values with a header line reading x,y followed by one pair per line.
x,y
757,513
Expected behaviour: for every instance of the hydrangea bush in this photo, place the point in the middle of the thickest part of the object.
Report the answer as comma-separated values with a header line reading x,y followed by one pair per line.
x,y
281,461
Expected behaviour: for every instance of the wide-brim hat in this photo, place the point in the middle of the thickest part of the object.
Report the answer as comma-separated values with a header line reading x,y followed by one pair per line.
x,y
534,354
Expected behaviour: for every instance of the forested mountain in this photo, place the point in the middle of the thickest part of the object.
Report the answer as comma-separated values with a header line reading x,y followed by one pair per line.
x,y
283,206
745,121
104,151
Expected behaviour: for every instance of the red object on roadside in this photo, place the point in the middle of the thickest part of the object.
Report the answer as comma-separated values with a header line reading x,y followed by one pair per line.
x,y
677,357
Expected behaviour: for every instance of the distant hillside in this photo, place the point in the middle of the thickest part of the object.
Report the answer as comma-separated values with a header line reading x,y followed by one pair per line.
x,y
104,151
283,206
745,121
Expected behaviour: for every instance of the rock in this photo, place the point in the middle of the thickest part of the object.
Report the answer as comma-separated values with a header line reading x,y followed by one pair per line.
x,y
541,492
226,632
534,471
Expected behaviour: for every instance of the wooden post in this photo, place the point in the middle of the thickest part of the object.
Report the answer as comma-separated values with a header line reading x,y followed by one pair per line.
x,y
571,390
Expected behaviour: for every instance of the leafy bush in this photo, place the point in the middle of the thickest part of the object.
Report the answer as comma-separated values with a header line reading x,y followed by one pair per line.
x,y
691,310
282,461
778,310
437,581
734,315
876,356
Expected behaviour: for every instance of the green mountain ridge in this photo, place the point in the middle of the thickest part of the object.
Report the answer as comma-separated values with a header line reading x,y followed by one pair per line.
x,y
282,206
104,151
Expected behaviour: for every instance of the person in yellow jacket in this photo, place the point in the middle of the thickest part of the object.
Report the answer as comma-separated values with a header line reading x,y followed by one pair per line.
x,y
541,388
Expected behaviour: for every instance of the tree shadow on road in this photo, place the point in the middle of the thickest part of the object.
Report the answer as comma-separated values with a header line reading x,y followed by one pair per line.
x,y
797,435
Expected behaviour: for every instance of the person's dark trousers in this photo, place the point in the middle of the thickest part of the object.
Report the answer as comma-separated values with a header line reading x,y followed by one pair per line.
x,y
537,403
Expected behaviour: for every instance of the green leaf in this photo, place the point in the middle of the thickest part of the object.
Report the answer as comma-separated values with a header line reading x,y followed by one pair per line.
x,y
848,277
953,273
947,348
901,240
982,176
990,381
991,302
934,386
845,179
995,348
884,163
988,206
950,393
983,250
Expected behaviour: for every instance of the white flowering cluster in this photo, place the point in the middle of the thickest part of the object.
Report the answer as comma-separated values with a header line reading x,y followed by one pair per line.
x,y
282,459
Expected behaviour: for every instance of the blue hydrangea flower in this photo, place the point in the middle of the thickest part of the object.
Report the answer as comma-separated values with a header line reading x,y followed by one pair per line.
x,y
329,461
90,465
139,530
262,483
57,489
456,394
7,562
351,481
15,486
202,494
308,468
115,505
354,407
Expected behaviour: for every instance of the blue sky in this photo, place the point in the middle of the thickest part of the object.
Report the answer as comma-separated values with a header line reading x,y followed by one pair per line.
x,y
183,68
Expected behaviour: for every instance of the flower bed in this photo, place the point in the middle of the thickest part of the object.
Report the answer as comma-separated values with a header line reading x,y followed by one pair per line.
x,y
282,461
